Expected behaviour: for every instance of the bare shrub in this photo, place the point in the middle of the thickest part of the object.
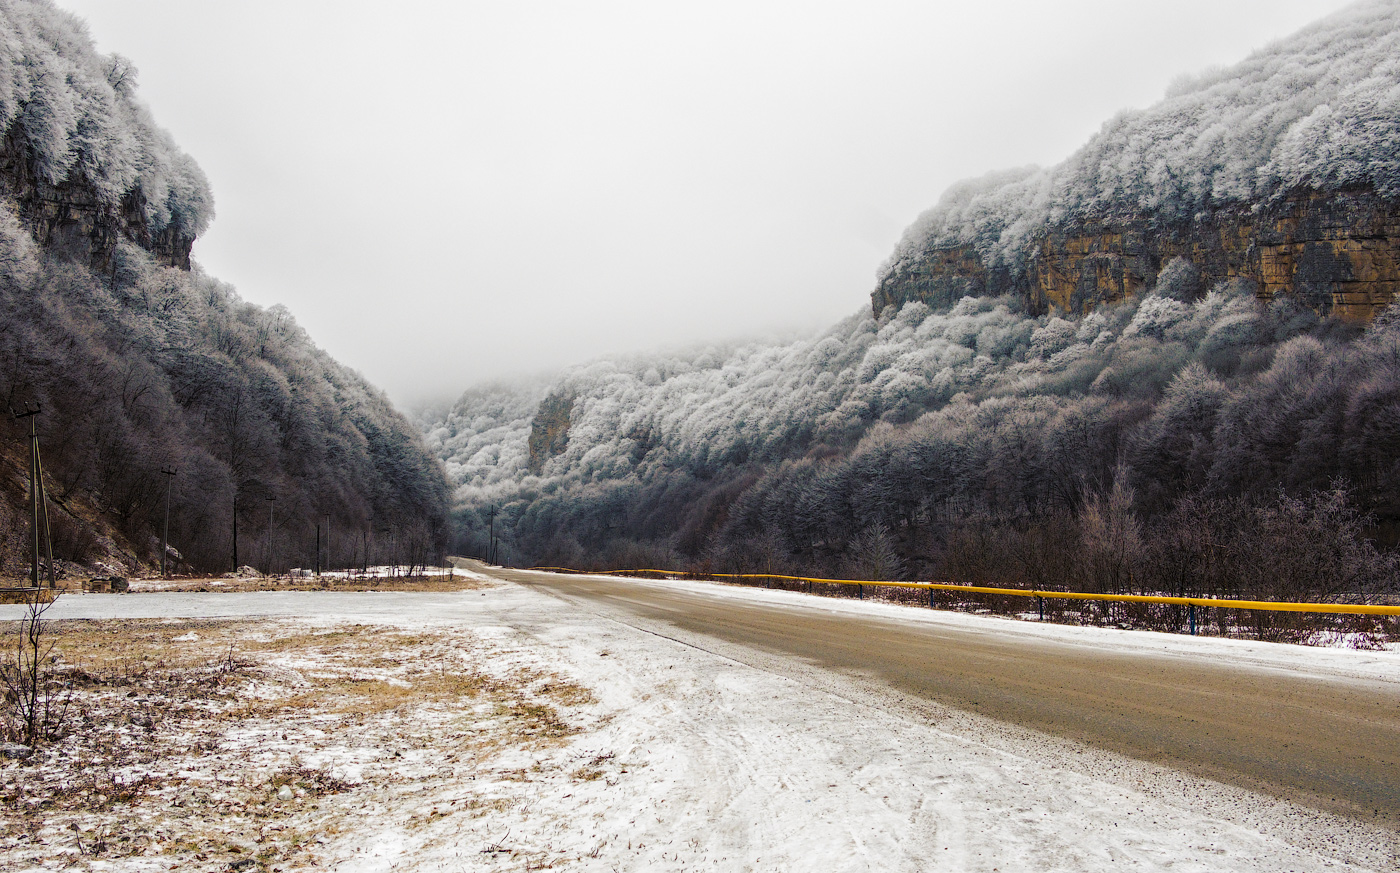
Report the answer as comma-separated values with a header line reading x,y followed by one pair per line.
x,y
73,540
36,702
1112,539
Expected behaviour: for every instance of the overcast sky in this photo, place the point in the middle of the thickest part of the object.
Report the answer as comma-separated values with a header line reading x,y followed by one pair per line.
x,y
445,193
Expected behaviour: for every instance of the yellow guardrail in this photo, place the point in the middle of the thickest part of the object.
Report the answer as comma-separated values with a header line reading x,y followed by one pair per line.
x,y
1220,603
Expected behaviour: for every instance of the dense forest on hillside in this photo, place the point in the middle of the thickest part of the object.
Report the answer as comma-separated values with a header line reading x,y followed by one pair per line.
x,y
977,442
1191,439
140,366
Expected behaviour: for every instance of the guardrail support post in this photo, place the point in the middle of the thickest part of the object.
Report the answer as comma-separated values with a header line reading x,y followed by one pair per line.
x,y
1191,611
860,592
930,598
1040,603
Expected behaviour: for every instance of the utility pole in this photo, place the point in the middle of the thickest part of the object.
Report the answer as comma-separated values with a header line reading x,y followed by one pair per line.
x,y
330,543
235,530
318,548
165,531
270,499
39,506
491,542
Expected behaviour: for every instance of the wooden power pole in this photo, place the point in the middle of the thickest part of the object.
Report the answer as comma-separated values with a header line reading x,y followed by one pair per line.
x,y
165,531
38,503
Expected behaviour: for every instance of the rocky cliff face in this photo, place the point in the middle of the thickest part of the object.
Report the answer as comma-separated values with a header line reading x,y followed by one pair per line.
x,y
72,219
549,431
1281,170
1336,252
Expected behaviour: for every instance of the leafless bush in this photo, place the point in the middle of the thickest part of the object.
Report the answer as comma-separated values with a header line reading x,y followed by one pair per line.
x,y
1112,539
36,702
73,540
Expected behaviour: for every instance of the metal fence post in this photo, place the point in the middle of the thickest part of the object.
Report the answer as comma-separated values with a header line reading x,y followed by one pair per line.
x,y
1191,609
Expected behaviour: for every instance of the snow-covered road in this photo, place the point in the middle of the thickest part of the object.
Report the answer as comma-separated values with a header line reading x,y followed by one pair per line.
x,y
723,758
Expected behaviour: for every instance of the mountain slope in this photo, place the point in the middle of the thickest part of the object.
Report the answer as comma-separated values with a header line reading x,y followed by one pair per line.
x,y
1283,170
1188,436
141,362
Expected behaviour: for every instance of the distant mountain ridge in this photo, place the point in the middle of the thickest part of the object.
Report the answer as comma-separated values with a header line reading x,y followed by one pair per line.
x,y
1283,171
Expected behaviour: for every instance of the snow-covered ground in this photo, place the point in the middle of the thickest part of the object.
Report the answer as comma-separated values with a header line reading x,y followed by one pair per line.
x,y
693,755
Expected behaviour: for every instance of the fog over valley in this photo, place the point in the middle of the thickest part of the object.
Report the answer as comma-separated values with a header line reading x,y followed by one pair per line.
x,y
459,193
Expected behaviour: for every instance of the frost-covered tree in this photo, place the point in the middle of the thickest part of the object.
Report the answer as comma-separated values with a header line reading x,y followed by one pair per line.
x,y
873,555
71,113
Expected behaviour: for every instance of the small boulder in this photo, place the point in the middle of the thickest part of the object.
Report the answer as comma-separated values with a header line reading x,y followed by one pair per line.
x,y
15,750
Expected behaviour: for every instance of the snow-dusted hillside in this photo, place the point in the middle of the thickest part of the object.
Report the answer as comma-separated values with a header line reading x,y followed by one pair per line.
x,y
76,113
732,404
143,364
1166,423
1318,110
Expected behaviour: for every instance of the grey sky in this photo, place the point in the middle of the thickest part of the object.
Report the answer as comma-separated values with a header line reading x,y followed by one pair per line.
x,y
444,193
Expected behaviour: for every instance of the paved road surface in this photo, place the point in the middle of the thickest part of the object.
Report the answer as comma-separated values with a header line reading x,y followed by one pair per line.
x,y
1333,744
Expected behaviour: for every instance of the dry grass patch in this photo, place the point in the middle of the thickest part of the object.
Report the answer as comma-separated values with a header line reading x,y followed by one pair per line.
x,y
232,584
203,744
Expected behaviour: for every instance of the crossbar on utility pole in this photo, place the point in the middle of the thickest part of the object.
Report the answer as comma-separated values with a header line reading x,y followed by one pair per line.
x,y
165,531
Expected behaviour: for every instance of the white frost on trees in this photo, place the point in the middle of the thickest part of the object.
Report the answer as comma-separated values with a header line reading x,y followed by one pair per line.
x,y
1319,110
78,113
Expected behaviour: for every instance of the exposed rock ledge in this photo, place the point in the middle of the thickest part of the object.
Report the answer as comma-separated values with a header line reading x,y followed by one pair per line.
x,y
1337,252
71,219
549,431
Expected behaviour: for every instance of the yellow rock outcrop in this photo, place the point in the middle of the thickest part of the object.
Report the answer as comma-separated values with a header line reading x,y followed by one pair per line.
x,y
1336,252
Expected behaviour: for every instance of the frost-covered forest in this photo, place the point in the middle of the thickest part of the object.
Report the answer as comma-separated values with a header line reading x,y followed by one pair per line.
x,y
1190,440
1319,110
144,367
77,113
168,369
978,443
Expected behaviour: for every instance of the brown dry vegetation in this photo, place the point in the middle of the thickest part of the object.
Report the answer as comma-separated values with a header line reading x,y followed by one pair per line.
x,y
230,584
254,744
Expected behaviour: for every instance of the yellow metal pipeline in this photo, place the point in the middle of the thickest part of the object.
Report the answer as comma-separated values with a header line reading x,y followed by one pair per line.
x,y
1273,606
